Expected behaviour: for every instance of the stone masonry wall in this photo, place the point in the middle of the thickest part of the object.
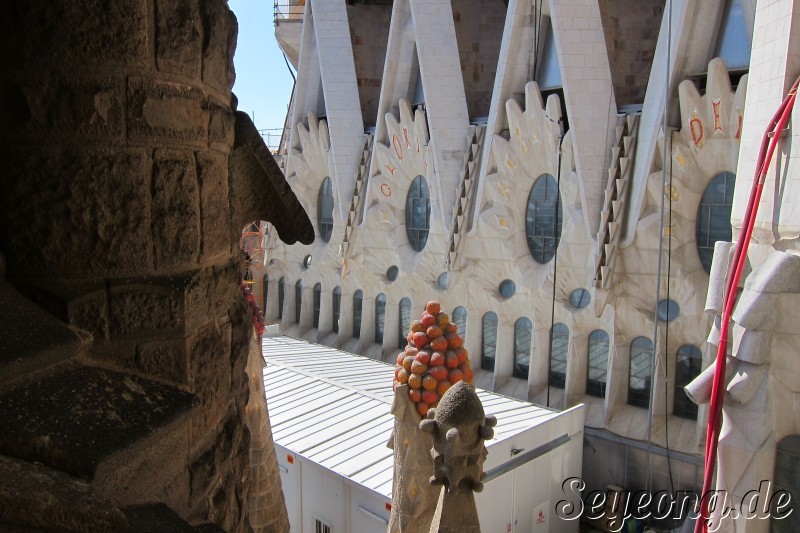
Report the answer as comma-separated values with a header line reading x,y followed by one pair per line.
x,y
115,215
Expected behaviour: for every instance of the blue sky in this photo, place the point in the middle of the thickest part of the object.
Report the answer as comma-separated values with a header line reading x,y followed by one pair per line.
x,y
263,83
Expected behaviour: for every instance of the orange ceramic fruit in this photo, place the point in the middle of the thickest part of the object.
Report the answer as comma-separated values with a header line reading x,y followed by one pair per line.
x,y
415,381
433,331
418,368
462,354
433,307
422,408
400,357
452,327
402,375
454,340
437,359
451,359
438,373
429,382
442,387
454,376
420,339
442,319
429,397
407,362
439,344
415,395
469,377
423,356
428,320
417,326
410,350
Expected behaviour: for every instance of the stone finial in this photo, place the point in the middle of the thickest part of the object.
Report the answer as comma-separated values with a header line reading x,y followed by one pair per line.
x,y
459,427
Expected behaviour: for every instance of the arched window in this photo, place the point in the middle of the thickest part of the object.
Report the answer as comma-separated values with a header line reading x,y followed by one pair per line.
x,y
714,216
325,210
559,349
787,457
281,296
380,317
641,371
597,364
298,300
266,292
418,213
543,219
523,329
489,340
687,367
405,320
317,303
358,302
460,320
337,306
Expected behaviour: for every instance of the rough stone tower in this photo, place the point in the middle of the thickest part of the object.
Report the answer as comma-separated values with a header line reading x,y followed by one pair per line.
x,y
120,218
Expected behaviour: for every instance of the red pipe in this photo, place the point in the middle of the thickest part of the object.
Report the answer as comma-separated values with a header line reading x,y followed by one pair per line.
x,y
768,145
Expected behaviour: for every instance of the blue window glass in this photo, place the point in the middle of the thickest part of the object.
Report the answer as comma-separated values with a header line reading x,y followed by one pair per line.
x,y
543,219
559,350
405,320
714,216
641,371
358,302
325,210
380,317
733,42
317,303
489,340
418,213
580,298
523,329
337,306
687,367
549,72
281,296
298,300
460,320
266,292
597,373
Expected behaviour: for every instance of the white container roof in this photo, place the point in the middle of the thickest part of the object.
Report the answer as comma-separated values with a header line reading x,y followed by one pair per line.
x,y
333,408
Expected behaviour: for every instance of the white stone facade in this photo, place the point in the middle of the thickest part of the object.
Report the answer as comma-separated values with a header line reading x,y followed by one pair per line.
x,y
459,105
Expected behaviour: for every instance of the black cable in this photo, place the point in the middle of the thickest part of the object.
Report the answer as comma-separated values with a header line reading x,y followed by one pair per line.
x,y
556,237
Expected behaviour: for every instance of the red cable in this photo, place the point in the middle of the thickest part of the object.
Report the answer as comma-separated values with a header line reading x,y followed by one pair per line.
x,y
775,127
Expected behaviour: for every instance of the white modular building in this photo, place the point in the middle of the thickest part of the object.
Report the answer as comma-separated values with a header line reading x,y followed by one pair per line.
x,y
331,422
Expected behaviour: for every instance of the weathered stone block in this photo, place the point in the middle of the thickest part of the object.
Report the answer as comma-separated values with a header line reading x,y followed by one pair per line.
x,y
86,415
35,498
176,209
167,360
142,309
210,291
220,28
209,365
163,111
77,212
178,36
49,105
221,126
93,32
212,173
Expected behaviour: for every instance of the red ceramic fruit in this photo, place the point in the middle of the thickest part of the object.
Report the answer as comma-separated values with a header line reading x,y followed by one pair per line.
x,y
454,376
433,307
423,357
428,320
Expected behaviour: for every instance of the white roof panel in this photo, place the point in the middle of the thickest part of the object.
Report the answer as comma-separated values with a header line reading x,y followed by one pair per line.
x,y
333,408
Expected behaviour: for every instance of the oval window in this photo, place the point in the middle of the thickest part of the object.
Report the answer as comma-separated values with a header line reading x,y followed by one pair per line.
x,y
714,216
418,213
325,210
543,219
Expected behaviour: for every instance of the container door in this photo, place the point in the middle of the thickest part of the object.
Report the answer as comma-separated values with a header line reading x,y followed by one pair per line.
x,y
495,505
369,512
289,467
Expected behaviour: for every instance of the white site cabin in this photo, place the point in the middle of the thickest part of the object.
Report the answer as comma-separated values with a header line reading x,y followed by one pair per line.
x,y
330,417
